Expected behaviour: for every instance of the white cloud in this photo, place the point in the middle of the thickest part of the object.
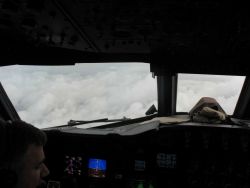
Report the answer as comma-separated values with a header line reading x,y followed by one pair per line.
x,y
49,96
225,89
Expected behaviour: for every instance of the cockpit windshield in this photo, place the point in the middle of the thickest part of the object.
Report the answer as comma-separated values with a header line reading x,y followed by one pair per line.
x,y
49,96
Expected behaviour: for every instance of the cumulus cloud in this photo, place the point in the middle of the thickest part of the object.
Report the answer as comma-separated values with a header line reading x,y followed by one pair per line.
x,y
50,96
225,89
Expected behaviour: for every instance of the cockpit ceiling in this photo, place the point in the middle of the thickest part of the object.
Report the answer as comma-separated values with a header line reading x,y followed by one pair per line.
x,y
183,27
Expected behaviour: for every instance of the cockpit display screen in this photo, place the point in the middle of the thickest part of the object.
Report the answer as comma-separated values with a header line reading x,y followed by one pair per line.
x,y
97,168
73,165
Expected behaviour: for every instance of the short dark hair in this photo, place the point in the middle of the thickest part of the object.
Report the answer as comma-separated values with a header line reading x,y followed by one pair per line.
x,y
15,138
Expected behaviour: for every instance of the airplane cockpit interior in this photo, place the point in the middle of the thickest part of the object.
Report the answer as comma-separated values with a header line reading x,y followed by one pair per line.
x,y
188,118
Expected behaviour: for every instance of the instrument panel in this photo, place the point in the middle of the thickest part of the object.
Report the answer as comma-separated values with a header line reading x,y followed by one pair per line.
x,y
170,157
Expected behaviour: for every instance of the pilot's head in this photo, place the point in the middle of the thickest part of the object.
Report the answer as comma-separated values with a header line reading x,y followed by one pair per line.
x,y
21,155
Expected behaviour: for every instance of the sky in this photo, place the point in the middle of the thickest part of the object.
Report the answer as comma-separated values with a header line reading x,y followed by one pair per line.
x,y
49,96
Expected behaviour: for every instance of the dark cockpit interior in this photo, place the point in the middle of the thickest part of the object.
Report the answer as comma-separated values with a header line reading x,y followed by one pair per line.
x,y
65,32
180,155
185,36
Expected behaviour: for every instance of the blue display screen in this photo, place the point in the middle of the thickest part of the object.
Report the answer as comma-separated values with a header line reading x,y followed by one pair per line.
x,y
98,164
97,168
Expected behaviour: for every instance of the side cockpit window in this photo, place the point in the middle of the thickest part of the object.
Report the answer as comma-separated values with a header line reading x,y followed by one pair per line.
x,y
192,87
